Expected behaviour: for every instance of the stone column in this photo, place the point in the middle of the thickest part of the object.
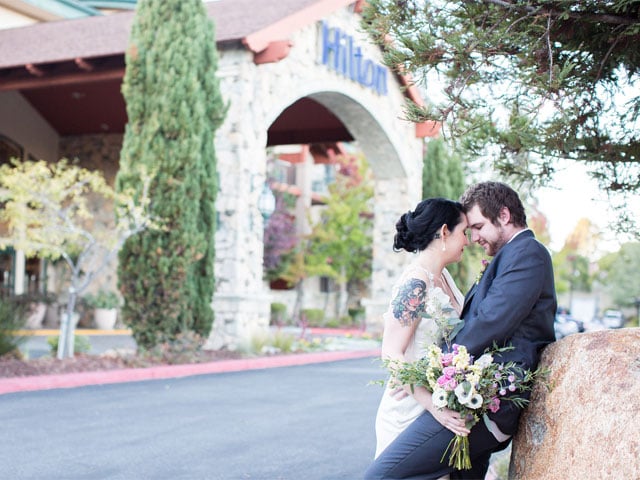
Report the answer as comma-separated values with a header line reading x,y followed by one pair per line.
x,y
390,202
241,301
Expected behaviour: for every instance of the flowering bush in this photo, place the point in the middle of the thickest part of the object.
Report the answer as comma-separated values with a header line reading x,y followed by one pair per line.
x,y
470,387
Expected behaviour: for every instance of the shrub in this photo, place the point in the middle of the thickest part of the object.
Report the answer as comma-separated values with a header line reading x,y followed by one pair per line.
x,y
102,299
11,319
185,347
278,314
267,342
332,323
314,316
81,344
357,314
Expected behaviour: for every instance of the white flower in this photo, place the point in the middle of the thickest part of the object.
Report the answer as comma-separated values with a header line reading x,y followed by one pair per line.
x,y
439,398
464,391
472,377
484,361
475,401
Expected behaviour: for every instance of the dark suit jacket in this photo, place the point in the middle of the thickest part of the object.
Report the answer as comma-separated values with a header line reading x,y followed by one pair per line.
x,y
513,303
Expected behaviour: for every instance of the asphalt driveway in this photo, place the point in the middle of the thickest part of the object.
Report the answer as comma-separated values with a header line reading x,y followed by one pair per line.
x,y
300,422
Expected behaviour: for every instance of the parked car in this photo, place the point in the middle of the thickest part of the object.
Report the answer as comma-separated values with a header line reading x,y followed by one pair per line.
x,y
566,325
613,319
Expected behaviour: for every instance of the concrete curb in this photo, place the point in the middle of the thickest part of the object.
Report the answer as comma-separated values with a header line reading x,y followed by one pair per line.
x,y
71,380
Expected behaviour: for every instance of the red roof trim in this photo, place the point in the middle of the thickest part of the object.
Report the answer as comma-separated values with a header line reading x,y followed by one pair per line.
x,y
428,129
274,52
259,40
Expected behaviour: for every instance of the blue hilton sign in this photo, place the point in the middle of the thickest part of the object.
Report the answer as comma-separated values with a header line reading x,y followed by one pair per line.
x,y
340,53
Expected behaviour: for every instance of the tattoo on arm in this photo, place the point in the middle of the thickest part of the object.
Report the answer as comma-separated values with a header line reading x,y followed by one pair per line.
x,y
409,303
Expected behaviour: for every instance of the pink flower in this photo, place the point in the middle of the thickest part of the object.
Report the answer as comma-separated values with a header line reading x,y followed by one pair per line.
x,y
447,383
449,372
451,384
494,404
447,358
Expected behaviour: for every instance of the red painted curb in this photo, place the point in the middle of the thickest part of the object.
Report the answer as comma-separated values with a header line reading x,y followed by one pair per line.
x,y
70,380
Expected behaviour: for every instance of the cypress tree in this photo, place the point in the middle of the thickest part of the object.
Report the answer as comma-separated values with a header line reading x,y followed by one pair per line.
x,y
174,106
443,176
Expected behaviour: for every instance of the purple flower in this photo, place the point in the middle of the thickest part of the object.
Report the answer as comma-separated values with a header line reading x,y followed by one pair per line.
x,y
512,388
497,376
511,378
503,391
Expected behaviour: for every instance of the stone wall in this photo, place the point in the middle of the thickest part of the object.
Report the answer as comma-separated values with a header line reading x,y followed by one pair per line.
x,y
102,153
259,94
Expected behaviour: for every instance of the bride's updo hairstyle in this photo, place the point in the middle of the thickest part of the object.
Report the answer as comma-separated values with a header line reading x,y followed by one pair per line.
x,y
416,230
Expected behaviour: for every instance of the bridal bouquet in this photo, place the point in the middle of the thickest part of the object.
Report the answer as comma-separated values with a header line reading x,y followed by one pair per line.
x,y
470,387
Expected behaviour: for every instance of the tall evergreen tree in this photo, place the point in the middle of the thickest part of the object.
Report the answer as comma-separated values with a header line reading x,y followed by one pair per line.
x,y
527,82
443,176
174,106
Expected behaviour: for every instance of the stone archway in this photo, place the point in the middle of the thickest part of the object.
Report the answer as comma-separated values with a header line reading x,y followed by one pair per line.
x,y
259,93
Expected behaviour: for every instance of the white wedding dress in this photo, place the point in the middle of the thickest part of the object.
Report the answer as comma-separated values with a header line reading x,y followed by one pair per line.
x,y
395,415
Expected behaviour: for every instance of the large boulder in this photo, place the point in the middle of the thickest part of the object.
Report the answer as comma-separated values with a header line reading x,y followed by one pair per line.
x,y
587,425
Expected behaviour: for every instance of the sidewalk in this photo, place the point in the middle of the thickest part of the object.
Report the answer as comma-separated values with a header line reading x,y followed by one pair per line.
x,y
346,348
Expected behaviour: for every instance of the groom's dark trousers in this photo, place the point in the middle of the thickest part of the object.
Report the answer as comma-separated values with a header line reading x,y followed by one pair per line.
x,y
422,443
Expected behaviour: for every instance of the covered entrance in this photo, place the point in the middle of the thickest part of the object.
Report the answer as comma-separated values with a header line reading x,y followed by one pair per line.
x,y
293,75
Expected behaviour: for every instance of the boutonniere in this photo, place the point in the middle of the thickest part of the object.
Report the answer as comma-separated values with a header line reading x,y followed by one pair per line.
x,y
483,267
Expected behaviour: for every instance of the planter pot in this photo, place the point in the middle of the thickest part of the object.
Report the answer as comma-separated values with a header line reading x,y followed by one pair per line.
x,y
105,318
36,315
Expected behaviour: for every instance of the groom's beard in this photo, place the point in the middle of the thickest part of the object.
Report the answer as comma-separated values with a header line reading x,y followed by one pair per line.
x,y
495,246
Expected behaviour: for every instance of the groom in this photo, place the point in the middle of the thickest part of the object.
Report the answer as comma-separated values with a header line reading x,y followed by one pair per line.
x,y
514,303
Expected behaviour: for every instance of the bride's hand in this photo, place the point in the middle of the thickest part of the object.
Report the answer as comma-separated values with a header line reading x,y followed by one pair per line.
x,y
451,421
397,392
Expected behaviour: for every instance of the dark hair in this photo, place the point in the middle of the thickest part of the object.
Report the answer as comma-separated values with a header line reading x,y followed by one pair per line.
x,y
490,198
416,230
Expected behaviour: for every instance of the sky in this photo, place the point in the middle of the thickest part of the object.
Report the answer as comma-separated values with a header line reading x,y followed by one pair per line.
x,y
573,195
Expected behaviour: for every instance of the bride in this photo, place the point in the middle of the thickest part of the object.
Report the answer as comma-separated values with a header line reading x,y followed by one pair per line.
x,y
436,232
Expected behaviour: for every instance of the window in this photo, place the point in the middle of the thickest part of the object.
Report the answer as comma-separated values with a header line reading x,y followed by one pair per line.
x,y
7,268
326,284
